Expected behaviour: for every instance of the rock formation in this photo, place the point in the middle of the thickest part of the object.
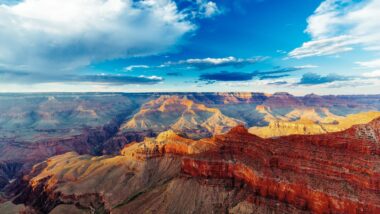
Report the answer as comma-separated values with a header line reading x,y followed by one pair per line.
x,y
180,114
231,173
234,172
310,124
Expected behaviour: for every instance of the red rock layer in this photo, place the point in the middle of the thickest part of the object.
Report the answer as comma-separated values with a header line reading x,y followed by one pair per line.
x,y
333,173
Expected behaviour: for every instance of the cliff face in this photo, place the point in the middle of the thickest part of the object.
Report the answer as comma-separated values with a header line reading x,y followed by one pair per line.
x,y
310,125
336,173
235,172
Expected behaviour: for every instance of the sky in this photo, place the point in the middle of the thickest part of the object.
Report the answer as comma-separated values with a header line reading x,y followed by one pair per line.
x,y
295,46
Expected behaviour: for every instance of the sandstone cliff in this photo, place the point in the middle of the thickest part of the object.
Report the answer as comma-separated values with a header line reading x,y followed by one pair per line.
x,y
310,124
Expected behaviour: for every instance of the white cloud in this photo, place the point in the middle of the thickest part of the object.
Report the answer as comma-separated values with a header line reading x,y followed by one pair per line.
x,y
208,62
203,9
370,64
209,9
214,61
306,66
372,74
340,25
323,47
373,64
133,67
152,77
51,35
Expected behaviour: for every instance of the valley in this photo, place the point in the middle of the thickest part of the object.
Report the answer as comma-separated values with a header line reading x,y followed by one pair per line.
x,y
225,152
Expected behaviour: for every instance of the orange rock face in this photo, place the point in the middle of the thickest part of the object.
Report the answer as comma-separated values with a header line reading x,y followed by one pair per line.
x,y
334,173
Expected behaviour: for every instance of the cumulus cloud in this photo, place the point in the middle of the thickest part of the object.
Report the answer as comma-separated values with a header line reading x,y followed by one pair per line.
x,y
52,35
207,63
316,79
339,26
208,8
201,8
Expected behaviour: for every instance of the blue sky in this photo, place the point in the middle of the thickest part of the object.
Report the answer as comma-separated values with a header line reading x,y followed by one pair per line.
x,y
314,46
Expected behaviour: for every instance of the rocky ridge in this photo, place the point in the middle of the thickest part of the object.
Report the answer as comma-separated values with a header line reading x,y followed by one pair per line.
x,y
180,114
310,124
329,173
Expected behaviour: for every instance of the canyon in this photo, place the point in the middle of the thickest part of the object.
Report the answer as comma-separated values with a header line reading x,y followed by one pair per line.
x,y
115,152
330,173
